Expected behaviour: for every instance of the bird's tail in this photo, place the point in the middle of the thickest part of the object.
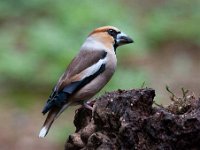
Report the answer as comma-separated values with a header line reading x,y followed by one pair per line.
x,y
53,114
48,122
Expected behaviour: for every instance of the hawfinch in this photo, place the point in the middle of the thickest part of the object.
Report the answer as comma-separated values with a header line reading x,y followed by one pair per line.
x,y
87,73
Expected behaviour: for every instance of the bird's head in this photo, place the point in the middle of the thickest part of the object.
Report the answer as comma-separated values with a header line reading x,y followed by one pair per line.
x,y
110,36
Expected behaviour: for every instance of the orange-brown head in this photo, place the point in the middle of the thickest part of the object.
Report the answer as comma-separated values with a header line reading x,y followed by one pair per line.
x,y
110,36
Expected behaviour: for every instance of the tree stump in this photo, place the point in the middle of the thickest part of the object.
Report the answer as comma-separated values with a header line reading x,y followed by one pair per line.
x,y
127,119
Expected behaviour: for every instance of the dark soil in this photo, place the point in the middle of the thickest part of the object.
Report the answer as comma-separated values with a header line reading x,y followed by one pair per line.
x,y
128,120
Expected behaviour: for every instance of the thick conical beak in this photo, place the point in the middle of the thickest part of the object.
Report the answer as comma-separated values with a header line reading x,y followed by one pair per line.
x,y
122,39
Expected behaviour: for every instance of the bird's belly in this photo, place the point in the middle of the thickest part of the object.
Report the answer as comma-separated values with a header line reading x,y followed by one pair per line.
x,y
89,90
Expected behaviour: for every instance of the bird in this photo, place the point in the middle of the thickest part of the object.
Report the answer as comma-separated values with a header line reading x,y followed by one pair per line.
x,y
87,73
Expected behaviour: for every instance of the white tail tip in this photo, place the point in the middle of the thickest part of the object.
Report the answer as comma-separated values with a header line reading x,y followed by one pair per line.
x,y
43,132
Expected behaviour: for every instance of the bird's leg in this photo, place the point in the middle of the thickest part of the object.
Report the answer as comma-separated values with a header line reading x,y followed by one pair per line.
x,y
87,105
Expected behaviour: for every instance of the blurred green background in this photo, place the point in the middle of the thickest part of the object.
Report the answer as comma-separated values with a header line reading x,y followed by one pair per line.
x,y
39,38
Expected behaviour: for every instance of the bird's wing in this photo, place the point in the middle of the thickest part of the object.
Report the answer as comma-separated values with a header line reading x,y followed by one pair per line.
x,y
86,63
84,68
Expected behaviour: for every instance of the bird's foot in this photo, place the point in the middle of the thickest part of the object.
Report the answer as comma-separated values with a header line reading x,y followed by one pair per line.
x,y
88,106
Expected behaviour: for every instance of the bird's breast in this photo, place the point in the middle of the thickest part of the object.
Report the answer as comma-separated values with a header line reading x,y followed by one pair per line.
x,y
111,62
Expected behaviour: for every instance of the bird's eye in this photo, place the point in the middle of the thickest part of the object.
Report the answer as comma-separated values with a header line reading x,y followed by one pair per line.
x,y
112,32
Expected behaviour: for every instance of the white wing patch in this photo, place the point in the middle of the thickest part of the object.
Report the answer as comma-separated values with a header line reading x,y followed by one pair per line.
x,y
94,68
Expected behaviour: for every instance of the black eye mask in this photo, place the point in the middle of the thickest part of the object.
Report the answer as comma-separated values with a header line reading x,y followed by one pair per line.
x,y
113,33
